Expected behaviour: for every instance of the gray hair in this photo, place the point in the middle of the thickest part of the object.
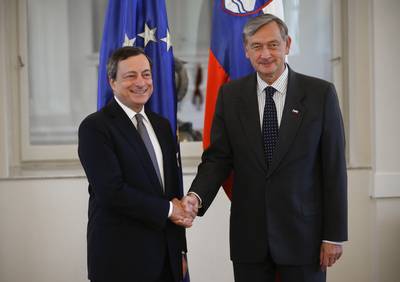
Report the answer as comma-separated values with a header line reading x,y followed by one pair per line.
x,y
121,54
254,24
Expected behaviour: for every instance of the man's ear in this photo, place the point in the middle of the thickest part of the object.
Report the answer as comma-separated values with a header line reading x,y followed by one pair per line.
x,y
245,51
288,43
111,81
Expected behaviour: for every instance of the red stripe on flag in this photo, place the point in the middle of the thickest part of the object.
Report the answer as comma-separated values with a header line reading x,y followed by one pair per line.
x,y
216,77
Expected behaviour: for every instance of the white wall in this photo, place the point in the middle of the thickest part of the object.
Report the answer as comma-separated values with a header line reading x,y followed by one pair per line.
x,y
3,101
385,46
43,234
357,41
385,87
356,262
42,230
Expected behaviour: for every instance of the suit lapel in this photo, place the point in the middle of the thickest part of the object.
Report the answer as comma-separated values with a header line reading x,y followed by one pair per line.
x,y
128,130
293,113
250,118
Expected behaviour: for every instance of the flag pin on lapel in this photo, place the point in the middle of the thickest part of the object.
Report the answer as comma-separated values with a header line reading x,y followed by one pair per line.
x,y
296,112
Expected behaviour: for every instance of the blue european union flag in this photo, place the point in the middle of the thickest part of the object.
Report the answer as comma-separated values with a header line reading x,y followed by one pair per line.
x,y
141,23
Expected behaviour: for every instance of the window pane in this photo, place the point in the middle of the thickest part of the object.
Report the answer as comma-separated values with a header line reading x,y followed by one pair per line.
x,y
190,24
62,69
310,26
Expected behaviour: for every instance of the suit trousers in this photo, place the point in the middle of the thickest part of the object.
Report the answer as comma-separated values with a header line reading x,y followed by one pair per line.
x,y
165,276
166,273
266,272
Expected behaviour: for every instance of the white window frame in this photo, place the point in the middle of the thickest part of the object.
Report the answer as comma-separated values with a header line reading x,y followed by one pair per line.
x,y
34,152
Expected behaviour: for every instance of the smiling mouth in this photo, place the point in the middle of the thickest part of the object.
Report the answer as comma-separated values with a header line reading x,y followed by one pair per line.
x,y
264,63
139,91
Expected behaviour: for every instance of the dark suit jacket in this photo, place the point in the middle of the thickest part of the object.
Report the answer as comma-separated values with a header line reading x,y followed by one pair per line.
x,y
129,234
301,199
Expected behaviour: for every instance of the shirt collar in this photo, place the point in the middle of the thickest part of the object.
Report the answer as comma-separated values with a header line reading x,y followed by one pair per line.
x,y
280,84
131,113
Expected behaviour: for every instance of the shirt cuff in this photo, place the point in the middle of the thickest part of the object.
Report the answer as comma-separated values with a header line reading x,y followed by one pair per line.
x,y
335,243
171,208
198,198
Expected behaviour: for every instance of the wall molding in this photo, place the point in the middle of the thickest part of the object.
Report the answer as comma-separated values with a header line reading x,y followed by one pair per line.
x,y
385,185
3,91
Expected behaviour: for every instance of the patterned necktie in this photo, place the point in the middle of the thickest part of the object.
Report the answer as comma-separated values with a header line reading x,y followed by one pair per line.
x,y
270,124
141,128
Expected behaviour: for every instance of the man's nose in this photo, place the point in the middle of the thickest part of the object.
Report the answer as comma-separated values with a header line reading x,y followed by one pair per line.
x,y
265,52
140,81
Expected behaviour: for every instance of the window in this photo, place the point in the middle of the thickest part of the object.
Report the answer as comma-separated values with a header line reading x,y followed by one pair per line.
x,y
59,43
59,77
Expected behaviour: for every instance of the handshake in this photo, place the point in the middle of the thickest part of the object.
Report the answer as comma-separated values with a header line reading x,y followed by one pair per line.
x,y
185,210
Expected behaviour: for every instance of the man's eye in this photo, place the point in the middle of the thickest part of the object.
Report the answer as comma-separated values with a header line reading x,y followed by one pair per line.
x,y
274,45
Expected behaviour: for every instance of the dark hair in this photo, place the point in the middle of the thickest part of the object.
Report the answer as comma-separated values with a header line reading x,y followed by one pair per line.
x,y
254,24
121,54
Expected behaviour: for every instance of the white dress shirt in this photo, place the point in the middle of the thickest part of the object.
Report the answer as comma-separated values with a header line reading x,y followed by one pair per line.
x,y
153,138
279,97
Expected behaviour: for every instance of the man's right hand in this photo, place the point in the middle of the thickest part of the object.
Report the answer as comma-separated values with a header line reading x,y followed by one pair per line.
x,y
182,215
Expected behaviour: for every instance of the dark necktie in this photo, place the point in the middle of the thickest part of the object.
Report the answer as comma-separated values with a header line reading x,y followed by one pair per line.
x,y
141,128
270,124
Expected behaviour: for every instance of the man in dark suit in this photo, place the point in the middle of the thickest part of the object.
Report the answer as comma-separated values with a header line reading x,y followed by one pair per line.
x,y
281,134
129,156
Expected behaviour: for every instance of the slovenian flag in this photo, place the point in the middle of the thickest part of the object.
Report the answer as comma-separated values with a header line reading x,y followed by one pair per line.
x,y
227,59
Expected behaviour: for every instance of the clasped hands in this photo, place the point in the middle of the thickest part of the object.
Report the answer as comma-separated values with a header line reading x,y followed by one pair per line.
x,y
185,210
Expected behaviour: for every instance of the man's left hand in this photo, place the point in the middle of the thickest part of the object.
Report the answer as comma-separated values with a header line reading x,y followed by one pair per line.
x,y
329,254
